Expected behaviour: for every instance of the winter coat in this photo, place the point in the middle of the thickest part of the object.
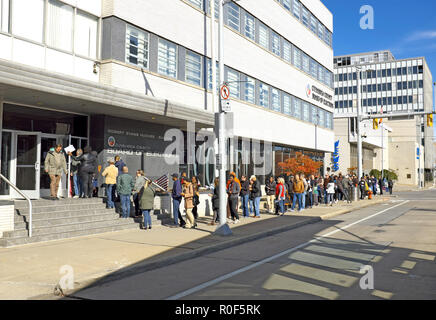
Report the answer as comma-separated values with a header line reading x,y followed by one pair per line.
x,y
298,186
216,199
55,163
245,188
139,183
146,198
270,188
125,184
280,192
255,191
188,190
111,174
88,163
120,165
177,190
331,187
234,189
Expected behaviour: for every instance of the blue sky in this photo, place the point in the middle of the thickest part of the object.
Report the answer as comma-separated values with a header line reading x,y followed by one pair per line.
x,y
407,28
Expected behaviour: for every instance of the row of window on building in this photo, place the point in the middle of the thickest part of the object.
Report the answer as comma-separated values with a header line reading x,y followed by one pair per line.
x,y
242,86
379,102
361,59
383,73
295,7
382,87
27,19
253,29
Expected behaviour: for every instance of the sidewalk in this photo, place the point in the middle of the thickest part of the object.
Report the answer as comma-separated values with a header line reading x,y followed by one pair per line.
x,y
32,271
403,188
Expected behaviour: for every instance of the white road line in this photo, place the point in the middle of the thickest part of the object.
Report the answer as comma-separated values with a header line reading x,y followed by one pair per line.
x,y
259,263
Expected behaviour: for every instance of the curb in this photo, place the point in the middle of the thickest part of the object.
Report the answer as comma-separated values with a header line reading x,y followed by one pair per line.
x,y
193,254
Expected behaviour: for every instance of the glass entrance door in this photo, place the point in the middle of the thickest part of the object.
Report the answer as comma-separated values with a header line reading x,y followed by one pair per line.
x,y
27,153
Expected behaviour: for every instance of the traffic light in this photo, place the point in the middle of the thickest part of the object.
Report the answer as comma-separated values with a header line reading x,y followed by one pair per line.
x,y
375,124
430,120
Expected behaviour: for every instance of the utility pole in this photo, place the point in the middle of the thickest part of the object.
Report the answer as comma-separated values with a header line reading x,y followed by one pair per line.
x,y
223,228
359,133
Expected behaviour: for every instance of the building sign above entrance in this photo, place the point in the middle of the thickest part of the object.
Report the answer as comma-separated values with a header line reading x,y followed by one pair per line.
x,y
320,96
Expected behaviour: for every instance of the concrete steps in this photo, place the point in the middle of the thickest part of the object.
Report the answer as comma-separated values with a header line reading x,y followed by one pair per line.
x,y
68,218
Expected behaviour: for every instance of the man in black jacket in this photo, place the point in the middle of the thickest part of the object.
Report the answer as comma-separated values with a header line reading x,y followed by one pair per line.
x,y
87,168
245,196
255,195
270,190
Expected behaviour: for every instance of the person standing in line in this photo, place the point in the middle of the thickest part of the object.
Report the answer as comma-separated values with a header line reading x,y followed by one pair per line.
x,y
146,202
188,195
87,168
233,192
289,182
119,164
390,186
298,193
306,186
347,185
183,177
196,186
362,185
215,202
78,188
54,164
245,196
125,185
139,183
381,185
315,192
280,195
110,173
310,187
255,195
270,190
176,195
330,192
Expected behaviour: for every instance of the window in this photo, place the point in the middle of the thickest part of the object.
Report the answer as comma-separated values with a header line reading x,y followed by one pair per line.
x,y
314,69
233,80
286,104
297,108
287,4
167,58
209,72
28,19
275,43
320,31
287,51
137,47
60,25
275,100
313,24
233,16
306,114
415,70
297,57
399,85
328,38
321,117
197,3
217,8
250,30
263,95
306,16
193,68
86,36
314,115
263,36
421,84
249,90
296,9
306,63
4,15
320,74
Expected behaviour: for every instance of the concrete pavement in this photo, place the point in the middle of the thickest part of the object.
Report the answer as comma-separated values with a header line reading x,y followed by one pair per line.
x,y
32,271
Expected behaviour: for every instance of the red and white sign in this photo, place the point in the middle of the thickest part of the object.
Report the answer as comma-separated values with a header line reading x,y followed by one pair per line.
x,y
225,92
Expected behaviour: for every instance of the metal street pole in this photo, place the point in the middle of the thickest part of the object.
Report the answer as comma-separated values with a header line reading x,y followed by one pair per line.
x,y
221,136
213,56
383,151
359,133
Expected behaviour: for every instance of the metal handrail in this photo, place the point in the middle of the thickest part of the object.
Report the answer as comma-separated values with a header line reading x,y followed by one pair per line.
x,y
25,197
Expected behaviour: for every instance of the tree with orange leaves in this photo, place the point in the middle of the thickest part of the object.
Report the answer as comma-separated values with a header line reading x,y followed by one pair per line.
x,y
300,164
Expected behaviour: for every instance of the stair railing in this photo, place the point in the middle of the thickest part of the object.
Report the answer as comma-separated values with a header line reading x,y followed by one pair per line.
x,y
25,197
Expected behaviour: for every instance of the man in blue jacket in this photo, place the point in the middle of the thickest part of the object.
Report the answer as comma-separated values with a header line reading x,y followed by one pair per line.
x,y
177,199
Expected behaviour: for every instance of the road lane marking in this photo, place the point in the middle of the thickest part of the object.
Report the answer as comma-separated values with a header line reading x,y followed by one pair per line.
x,y
266,260
341,253
325,261
382,294
408,265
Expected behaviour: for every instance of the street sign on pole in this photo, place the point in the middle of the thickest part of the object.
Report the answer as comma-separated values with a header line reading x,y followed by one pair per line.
x,y
225,92
226,106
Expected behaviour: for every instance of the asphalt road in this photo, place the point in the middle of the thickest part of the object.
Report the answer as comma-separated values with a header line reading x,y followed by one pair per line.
x,y
381,252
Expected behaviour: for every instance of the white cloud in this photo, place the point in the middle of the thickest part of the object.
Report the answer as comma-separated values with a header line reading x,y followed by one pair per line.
x,y
422,35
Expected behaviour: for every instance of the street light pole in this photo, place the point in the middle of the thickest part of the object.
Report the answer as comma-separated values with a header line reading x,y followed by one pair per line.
x,y
359,134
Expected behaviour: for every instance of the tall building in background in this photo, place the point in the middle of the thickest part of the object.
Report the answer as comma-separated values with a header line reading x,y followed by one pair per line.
x,y
117,74
392,87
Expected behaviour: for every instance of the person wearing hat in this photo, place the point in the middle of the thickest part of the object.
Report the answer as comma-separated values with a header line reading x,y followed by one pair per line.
x,y
110,173
177,199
